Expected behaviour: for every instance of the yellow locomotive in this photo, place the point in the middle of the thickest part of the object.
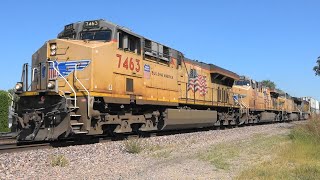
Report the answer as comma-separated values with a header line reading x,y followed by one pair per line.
x,y
261,104
99,78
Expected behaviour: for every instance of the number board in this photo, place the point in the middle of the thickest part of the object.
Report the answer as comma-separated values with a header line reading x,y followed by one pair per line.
x,y
91,24
68,27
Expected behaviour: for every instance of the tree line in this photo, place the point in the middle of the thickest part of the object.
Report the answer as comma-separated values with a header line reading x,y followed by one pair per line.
x,y
5,102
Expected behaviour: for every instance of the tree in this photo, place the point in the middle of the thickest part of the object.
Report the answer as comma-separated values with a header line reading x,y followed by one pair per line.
x,y
316,68
269,84
280,91
4,110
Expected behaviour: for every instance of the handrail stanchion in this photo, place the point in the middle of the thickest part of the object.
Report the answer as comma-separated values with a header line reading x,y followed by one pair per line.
x,y
88,100
74,92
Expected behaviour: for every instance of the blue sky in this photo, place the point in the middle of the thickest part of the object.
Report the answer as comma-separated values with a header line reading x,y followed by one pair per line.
x,y
265,39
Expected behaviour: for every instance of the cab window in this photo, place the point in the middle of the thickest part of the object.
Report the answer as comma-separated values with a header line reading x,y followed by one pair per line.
x,y
96,35
242,83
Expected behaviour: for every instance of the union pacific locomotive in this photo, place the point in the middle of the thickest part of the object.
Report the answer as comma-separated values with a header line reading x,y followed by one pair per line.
x,y
98,78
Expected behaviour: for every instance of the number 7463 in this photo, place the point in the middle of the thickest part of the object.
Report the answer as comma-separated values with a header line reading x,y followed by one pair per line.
x,y
129,63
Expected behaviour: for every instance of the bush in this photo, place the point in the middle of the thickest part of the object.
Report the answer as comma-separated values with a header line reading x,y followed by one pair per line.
x,y
133,146
297,159
4,110
59,160
308,133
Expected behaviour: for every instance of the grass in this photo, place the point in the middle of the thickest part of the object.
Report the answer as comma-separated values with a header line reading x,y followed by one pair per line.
x,y
297,159
133,146
136,146
224,156
220,155
59,160
162,153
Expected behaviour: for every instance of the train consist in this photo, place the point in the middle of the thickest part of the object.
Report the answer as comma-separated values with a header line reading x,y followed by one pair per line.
x,y
314,105
98,78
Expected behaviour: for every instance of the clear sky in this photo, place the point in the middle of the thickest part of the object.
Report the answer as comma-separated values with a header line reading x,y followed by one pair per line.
x,y
264,39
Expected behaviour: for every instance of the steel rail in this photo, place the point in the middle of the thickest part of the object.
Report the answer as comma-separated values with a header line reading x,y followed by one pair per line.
x,y
14,147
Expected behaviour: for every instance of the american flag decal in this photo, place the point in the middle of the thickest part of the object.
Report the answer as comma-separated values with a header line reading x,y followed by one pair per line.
x,y
52,74
197,83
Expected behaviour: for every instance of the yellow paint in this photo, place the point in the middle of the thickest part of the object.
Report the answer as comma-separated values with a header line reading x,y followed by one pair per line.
x,y
107,74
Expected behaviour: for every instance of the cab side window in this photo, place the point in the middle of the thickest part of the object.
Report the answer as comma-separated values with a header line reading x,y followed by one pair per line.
x,y
157,51
128,42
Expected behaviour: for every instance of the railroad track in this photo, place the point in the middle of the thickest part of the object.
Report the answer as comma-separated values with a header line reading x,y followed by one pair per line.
x,y
14,147
8,135
6,138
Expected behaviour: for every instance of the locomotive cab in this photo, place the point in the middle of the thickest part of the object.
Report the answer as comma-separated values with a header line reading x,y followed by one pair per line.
x,y
94,68
61,82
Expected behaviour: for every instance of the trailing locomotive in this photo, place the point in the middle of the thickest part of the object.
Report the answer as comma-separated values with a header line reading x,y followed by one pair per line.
x,y
99,78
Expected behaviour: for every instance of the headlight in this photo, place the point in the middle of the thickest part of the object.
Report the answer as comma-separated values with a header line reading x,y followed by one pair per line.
x,y
53,49
19,86
53,52
53,46
51,85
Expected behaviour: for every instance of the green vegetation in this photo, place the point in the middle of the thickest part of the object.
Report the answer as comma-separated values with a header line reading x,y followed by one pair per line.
x,y
59,160
133,146
136,146
162,153
269,84
316,68
247,152
4,110
220,155
297,159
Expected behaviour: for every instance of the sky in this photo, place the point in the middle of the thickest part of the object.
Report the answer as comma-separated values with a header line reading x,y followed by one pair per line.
x,y
265,39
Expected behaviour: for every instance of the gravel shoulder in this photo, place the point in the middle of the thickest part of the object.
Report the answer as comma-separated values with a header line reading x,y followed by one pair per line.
x,y
216,154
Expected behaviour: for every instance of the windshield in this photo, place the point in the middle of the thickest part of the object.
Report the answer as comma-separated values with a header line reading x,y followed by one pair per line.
x,y
96,35
67,36
242,83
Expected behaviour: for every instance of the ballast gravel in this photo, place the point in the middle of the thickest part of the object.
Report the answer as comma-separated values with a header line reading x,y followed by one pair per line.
x,y
110,160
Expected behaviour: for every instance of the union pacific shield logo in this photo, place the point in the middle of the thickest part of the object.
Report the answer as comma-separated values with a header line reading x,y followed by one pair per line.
x,y
146,71
66,68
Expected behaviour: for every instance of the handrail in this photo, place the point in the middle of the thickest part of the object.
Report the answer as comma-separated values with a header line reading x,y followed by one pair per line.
x,y
10,96
244,104
74,92
240,102
11,107
88,100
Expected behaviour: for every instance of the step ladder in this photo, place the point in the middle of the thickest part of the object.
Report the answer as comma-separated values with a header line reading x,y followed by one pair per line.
x,y
76,124
244,108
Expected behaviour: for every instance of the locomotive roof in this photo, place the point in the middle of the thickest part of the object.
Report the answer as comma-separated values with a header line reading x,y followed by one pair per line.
x,y
102,24
214,69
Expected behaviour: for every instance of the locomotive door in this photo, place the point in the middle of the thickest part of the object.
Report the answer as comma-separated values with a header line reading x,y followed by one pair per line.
x,y
128,85
35,78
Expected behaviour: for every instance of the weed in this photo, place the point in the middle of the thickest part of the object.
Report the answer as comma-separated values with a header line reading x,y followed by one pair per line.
x,y
59,160
133,146
162,154
154,147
